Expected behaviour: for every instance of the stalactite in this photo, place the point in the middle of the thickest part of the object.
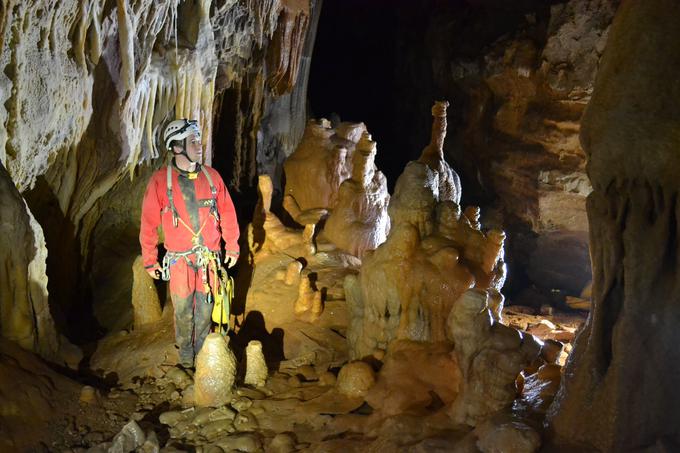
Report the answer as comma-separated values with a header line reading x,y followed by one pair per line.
x,y
127,49
286,49
189,91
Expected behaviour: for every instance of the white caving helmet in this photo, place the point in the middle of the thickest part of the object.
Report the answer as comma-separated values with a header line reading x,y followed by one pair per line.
x,y
179,130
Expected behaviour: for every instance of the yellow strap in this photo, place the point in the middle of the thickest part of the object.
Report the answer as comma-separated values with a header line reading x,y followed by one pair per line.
x,y
194,236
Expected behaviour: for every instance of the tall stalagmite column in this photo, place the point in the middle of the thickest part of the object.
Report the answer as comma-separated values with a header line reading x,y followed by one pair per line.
x,y
621,387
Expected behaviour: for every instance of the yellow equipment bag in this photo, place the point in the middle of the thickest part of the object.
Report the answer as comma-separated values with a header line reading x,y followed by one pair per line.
x,y
223,298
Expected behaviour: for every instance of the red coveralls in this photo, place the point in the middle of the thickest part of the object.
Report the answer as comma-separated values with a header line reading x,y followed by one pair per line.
x,y
192,199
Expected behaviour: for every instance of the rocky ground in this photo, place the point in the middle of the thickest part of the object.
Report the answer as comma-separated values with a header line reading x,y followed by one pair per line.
x,y
301,407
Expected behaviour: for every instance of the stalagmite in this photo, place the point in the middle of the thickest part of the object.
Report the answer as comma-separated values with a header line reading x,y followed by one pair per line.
x,y
256,367
293,272
490,355
433,156
308,305
321,162
215,372
147,307
359,221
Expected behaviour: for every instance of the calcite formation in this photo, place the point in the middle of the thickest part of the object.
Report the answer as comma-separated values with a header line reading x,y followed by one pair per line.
x,y
625,357
333,170
359,221
309,304
256,367
415,376
355,379
215,372
448,182
24,310
147,307
490,355
433,254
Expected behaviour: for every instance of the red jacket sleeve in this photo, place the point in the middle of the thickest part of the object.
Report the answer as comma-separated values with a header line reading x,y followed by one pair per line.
x,y
151,220
228,221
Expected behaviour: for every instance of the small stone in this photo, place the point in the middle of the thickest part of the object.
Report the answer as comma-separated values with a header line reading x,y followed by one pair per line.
x,y
241,403
178,377
188,399
222,413
355,379
327,378
170,418
244,442
294,381
202,416
283,443
245,421
308,372
216,428
252,394
88,395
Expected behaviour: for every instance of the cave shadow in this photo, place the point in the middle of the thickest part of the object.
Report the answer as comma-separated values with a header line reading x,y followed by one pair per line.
x,y
69,304
254,328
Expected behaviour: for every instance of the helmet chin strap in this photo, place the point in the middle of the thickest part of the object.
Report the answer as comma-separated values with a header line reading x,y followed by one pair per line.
x,y
184,152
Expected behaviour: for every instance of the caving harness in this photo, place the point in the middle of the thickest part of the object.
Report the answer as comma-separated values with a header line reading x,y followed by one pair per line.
x,y
206,259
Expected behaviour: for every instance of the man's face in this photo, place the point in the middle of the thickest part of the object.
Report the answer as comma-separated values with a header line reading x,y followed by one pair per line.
x,y
194,148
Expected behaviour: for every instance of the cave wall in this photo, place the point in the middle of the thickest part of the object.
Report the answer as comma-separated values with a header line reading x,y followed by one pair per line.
x,y
519,98
620,389
86,89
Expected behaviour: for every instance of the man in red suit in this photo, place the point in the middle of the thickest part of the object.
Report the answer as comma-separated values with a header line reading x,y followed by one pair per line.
x,y
190,202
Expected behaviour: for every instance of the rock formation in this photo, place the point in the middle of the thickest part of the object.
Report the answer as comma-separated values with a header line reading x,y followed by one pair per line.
x,y
147,307
333,170
355,379
620,391
433,254
490,355
321,162
25,316
359,222
448,182
215,372
256,367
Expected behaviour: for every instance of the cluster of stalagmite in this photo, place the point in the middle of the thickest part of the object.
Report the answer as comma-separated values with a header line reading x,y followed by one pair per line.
x,y
433,254
490,356
333,172
358,221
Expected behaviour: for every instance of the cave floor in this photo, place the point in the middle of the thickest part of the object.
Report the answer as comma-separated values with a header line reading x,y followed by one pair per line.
x,y
299,408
